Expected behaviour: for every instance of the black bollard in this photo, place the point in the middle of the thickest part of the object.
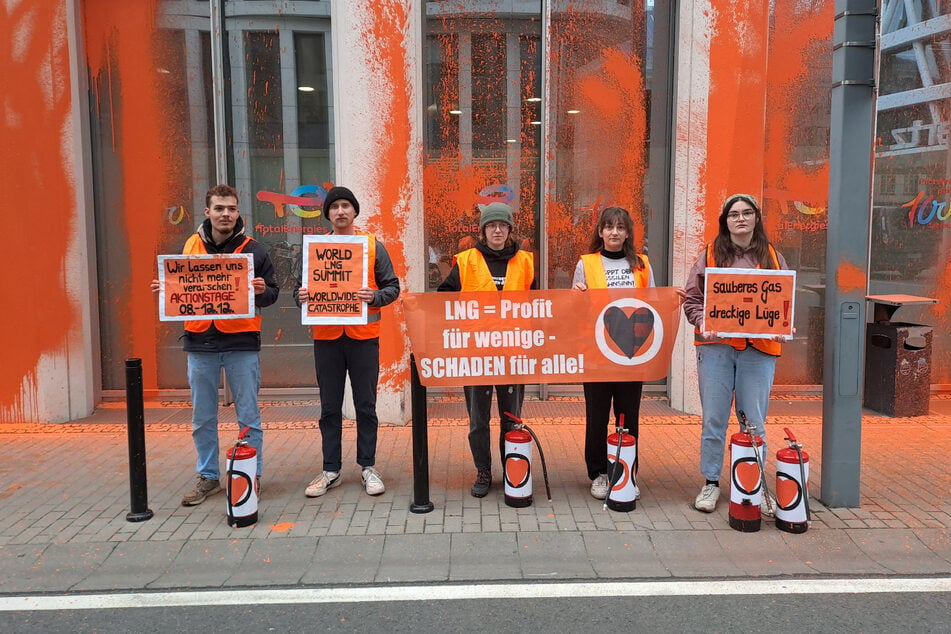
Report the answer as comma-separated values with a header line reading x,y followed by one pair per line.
x,y
421,502
135,416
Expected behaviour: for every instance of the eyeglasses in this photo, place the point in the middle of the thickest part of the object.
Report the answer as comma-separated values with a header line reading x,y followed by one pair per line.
x,y
746,214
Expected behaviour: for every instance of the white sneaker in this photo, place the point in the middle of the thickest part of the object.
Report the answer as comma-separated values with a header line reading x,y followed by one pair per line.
x,y
707,500
767,506
637,492
600,487
372,481
319,485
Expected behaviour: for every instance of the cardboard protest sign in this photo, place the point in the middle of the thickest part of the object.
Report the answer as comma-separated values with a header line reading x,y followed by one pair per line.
x,y
555,336
335,268
750,303
202,287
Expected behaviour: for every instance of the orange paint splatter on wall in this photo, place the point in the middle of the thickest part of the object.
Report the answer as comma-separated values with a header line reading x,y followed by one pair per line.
x,y
120,41
35,162
386,39
736,117
849,277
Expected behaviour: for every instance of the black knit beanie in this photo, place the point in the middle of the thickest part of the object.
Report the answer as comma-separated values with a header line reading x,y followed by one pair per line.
x,y
338,193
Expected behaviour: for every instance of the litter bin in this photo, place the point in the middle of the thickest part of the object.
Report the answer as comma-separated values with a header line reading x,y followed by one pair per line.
x,y
898,368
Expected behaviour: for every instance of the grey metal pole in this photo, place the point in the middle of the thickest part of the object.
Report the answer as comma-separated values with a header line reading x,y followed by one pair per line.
x,y
852,129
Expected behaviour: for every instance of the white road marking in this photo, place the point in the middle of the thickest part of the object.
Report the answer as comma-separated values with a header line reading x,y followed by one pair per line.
x,y
226,597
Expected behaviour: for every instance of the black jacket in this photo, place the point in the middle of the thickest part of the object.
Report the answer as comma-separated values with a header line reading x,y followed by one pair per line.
x,y
213,340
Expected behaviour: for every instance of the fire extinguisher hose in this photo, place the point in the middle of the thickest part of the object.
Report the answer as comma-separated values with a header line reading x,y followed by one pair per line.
x,y
745,425
541,455
795,444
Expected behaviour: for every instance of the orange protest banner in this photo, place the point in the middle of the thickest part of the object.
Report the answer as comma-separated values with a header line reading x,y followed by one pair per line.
x,y
751,303
202,287
335,268
555,336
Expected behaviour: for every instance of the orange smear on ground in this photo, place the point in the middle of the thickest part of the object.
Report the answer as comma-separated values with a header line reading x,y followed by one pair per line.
x,y
283,527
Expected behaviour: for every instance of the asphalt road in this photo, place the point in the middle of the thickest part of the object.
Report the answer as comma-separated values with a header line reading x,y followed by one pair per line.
x,y
900,611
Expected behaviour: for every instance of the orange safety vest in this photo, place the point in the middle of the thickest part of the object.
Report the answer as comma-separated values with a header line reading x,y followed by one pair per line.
x,y
596,277
371,329
474,274
767,346
196,246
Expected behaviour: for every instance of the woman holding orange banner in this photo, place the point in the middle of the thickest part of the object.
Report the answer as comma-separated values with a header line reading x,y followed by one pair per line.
x,y
612,263
496,263
731,367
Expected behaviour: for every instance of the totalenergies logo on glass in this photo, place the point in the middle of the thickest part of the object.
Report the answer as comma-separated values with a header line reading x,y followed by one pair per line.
x,y
306,201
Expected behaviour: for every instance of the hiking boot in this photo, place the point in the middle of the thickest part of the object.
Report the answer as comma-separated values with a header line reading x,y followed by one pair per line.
x,y
707,500
203,488
480,488
319,485
600,487
372,481
767,505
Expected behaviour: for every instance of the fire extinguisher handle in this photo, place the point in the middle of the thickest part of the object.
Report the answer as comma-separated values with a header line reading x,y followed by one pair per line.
x,y
789,435
244,432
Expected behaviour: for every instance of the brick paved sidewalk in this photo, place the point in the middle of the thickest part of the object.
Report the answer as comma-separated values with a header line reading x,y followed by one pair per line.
x,y
66,486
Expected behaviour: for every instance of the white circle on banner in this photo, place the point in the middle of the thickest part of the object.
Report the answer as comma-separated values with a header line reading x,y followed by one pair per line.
x,y
637,359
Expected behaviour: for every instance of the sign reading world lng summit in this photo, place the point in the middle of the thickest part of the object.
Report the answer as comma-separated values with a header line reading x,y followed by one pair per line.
x,y
554,336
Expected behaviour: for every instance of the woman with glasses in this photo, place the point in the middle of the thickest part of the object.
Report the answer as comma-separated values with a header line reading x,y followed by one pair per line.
x,y
611,263
732,368
495,263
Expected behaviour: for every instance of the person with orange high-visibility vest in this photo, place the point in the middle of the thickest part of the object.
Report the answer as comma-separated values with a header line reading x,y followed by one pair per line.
x,y
354,350
731,369
612,262
495,263
230,344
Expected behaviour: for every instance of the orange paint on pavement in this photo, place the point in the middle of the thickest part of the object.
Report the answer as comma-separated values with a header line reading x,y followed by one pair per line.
x,y
385,39
283,527
120,37
35,164
849,277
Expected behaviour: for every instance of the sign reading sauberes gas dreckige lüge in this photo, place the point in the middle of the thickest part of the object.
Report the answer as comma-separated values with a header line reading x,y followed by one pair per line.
x,y
750,303
202,287
335,268
555,336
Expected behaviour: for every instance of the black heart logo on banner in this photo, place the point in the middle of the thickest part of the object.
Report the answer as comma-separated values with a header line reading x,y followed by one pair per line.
x,y
629,332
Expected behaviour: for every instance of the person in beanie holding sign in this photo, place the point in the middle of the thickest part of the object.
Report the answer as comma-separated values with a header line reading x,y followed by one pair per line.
x,y
496,263
353,349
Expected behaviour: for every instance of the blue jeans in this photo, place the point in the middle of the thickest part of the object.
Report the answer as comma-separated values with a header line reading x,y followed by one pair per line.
x,y
723,372
243,371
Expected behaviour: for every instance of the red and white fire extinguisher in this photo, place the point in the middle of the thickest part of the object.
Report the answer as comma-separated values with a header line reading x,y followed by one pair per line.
x,y
622,482
747,478
792,487
518,464
242,481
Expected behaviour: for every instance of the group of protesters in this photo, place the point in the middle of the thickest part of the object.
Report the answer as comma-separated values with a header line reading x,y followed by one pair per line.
x,y
732,371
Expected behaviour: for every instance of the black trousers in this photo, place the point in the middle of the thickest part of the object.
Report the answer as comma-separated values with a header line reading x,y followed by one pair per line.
x,y
334,359
598,397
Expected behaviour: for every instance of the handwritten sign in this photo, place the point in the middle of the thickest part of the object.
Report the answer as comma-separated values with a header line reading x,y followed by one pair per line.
x,y
750,303
335,268
202,287
555,336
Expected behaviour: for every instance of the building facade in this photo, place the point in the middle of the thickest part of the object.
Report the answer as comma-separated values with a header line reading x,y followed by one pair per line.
x,y
130,111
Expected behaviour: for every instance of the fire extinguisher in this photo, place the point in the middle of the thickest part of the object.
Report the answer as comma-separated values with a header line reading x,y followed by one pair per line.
x,y
242,483
747,478
792,487
517,471
622,455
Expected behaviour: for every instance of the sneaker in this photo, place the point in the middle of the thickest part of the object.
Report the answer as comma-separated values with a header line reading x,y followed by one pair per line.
x,y
600,487
480,488
707,500
637,492
372,481
319,485
203,488
767,505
